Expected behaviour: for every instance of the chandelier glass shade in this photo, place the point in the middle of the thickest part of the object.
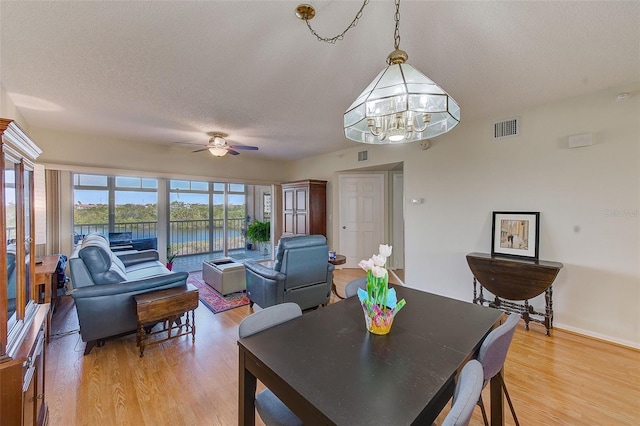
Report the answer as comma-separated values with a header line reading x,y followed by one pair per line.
x,y
400,105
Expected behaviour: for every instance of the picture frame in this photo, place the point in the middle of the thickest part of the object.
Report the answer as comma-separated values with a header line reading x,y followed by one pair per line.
x,y
515,234
266,206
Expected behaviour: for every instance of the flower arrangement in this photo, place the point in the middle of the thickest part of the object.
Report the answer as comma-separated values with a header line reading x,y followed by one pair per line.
x,y
379,302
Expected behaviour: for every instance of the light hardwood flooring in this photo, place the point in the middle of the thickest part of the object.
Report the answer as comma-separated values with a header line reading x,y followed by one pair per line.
x,y
564,379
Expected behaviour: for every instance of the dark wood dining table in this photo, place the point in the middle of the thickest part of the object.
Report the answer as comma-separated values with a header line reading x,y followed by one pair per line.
x,y
328,369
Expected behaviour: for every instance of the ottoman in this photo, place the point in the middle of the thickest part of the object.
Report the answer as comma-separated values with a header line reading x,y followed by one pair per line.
x,y
225,275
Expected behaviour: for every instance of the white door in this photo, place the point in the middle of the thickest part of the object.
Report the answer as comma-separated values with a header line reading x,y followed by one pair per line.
x,y
361,216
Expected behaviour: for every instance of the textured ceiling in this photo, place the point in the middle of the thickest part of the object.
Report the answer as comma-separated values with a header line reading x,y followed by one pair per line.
x,y
165,72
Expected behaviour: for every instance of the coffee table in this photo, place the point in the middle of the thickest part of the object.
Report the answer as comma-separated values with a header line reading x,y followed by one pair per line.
x,y
225,275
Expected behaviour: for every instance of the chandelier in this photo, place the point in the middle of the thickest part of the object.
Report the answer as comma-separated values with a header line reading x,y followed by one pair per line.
x,y
401,104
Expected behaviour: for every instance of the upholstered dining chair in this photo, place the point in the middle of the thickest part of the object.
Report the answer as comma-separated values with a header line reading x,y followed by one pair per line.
x,y
492,355
351,289
466,394
272,411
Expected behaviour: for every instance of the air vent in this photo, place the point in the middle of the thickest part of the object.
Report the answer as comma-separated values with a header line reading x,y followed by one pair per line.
x,y
362,155
506,128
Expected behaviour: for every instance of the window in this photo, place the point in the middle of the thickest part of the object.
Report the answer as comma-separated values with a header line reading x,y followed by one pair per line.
x,y
189,217
106,204
206,217
203,217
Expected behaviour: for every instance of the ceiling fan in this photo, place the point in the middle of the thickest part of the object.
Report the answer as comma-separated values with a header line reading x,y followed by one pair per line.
x,y
219,147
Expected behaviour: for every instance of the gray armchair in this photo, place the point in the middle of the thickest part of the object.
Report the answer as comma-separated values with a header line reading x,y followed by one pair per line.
x,y
302,274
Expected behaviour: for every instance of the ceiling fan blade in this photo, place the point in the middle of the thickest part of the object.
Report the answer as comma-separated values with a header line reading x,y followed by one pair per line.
x,y
189,143
245,147
232,152
200,150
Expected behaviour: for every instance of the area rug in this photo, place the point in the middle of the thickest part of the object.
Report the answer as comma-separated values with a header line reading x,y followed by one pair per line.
x,y
213,300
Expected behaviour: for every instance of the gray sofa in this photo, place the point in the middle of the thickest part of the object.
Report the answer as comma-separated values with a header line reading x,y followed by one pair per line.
x,y
104,285
301,274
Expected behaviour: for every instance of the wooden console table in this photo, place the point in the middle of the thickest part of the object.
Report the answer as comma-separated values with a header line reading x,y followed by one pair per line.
x,y
45,277
515,280
166,306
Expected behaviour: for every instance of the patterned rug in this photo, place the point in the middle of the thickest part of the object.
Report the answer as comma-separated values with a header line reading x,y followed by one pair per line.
x,y
214,300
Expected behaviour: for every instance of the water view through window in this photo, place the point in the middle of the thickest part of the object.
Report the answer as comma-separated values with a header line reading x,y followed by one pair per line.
x,y
203,217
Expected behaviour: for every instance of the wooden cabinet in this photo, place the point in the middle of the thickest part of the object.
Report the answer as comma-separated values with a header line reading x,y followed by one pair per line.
x,y
304,207
22,321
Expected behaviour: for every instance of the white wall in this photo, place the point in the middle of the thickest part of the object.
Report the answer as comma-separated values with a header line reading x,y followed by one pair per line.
x,y
588,199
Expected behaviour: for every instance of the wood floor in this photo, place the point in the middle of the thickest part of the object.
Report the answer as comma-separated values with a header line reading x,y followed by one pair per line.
x,y
560,380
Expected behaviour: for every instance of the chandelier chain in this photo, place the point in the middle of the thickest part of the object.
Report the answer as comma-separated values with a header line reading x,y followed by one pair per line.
x,y
333,40
396,34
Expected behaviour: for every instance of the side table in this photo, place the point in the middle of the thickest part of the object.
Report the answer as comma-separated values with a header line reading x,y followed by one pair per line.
x,y
46,285
339,260
166,306
511,280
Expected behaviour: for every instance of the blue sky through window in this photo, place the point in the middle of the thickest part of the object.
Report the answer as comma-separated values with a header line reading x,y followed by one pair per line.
x,y
126,197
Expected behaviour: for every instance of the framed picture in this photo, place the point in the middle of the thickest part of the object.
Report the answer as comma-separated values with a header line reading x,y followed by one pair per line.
x,y
515,234
266,206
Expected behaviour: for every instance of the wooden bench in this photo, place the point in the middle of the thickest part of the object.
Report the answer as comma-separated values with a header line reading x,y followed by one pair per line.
x,y
166,306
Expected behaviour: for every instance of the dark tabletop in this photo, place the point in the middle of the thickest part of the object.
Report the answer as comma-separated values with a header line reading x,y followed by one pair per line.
x,y
354,377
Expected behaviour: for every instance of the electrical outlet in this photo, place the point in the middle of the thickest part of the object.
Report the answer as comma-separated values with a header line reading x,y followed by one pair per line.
x,y
424,145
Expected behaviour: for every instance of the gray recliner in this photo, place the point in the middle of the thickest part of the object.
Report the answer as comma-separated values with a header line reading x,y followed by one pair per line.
x,y
301,274
104,285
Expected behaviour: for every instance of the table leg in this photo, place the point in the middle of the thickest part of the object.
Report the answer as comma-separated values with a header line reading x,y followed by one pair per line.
x,y
246,393
334,289
140,338
548,310
497,401
193,325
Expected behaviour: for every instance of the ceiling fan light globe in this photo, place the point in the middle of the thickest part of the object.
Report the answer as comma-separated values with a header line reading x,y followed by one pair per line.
x,y
218,141
218,152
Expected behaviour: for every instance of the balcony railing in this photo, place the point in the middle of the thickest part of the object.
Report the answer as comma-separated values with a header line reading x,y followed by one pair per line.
x,y
197,236
185,236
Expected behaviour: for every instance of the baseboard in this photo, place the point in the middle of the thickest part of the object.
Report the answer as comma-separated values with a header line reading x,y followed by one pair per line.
x,y
627,344
396,277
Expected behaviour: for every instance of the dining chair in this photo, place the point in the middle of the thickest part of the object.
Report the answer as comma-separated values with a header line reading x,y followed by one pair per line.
x,y
466,394
351,289
272,411
492,355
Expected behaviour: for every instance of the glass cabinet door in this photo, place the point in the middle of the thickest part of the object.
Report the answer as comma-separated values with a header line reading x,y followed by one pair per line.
x,y
28,231
11,213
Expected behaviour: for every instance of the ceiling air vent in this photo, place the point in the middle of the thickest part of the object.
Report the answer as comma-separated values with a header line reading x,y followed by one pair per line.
x,y
506,128
362,156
